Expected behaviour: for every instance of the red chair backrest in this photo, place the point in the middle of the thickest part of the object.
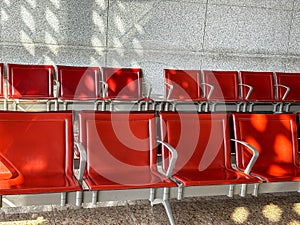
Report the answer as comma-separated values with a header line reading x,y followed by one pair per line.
x,y
262,83
186,84
202,140
273,135
36,145
225,85
78,83
291,80
123,83
118,141
30,81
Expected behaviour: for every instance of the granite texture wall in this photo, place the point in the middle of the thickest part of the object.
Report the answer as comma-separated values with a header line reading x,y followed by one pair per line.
x,y
153,34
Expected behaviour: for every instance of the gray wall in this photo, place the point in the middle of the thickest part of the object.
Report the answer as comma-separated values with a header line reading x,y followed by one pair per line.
x,y
260,35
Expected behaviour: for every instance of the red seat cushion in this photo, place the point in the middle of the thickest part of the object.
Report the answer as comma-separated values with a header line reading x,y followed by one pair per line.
x,y
186,84
202,142
121,150
123,83
78,83
36,152
275,137
30,81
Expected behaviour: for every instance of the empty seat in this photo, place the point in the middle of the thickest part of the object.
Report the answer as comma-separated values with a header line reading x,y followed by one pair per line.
x,y
182,86
202,142
36,153
124,85
221,87
275,138
121,151
288,85
30,83
257,87
78,84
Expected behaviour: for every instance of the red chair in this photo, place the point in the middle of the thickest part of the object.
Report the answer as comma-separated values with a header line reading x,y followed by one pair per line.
x,y
78,84
182,87
221,87
36,153
202,142
257,88
275,138
288,85
30,84
124,85
121,153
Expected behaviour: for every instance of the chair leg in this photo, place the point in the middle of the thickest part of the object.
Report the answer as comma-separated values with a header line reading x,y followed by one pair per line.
x,y
78,198
165,202
63,198
94,197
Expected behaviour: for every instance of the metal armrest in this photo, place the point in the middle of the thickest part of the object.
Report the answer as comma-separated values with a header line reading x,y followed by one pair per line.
x,y
56,88
173,158
287,90
254,157
82,162
249,91
105,91
211,89
170,90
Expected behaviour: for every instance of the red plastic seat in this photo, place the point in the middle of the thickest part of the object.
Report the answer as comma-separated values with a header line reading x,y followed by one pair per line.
x,y
221,86
257,87
121,153
186,84
36,153
290,81
123,83
78,83
262,84
202,142
275,137
182,87
30,81
121,150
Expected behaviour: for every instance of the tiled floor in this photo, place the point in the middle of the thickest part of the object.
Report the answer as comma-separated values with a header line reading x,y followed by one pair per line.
x,y
265,209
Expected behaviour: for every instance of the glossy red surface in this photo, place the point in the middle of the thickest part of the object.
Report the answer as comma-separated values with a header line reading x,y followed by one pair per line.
x,y
225,85
30,81
121,150
123,83
291,80
186,84
262,83
203,145
275,137
36,152
79,83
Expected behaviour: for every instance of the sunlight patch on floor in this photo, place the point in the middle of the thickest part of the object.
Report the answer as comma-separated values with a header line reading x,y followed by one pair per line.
x,y
38,221
272,212
240,215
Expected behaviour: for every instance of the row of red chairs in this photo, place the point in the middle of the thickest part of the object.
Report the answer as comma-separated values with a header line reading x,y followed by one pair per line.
x,y
69,84
118,151
245,88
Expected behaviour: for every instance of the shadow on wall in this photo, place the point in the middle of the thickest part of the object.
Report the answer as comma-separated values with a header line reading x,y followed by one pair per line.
x,y
53,32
